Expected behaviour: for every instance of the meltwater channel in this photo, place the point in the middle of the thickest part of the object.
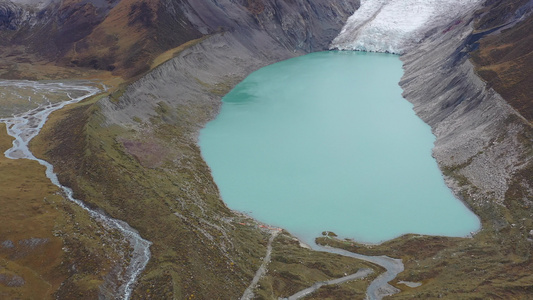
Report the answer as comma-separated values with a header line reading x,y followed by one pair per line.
x,y
326,142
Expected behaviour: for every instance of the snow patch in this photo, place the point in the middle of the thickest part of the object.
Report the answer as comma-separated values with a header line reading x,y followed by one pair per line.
x,y
38,4
396,25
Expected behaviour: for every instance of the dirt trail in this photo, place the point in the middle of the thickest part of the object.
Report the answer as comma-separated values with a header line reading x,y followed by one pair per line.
x,y
249,292
361,273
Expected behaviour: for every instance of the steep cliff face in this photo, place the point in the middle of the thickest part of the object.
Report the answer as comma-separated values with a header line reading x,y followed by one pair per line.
x,y
11,16
125,36
479,136
504,55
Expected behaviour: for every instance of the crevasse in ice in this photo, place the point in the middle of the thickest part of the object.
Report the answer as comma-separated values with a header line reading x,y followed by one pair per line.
x,y
395,25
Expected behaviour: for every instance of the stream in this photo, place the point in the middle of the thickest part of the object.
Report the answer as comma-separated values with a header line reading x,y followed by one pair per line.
x,y
380,286
377,289
25,126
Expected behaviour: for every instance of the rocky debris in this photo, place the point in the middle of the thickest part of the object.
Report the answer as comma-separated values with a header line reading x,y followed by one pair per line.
x,y
11,280
8,244
478,133
12,16
32,243
410,284
23,247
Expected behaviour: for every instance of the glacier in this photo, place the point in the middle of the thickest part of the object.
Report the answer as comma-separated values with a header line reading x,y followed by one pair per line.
x,y
394,26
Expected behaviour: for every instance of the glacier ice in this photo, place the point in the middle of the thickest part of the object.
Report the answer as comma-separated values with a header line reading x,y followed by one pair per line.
x,y
395,25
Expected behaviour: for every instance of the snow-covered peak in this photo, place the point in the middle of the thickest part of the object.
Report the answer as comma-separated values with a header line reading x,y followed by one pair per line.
x,y
38,4
395,25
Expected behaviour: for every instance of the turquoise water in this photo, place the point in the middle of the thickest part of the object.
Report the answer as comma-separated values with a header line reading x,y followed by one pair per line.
x,y
326,142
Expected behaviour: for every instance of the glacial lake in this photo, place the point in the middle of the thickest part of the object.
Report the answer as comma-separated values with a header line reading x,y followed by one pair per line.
x,y
326,142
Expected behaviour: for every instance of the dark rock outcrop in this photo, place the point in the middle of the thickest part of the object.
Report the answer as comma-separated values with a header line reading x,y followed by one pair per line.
x,y
11,15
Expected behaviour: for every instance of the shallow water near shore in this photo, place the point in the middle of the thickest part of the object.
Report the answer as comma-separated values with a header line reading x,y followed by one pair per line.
x,y
326,142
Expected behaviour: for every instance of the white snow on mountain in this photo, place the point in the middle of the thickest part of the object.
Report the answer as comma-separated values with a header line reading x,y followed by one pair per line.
x,y
395,25
37,4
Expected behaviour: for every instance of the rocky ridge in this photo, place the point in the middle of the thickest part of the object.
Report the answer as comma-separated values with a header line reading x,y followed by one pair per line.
x,y
479,135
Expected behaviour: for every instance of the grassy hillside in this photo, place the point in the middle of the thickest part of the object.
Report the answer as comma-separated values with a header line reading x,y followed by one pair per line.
x,y
200,248
49,247
70,38
505,58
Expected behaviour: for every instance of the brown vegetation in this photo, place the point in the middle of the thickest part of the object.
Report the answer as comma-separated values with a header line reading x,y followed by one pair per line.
x,y
123,37
505,59
199,247
30,254
49,247
293,268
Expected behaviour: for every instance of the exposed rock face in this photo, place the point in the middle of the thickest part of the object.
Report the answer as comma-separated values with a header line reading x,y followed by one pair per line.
x,y
124,36
244,38
11,280
11,15
480,138
104,35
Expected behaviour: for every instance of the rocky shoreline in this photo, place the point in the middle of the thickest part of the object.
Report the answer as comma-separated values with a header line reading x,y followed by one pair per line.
x,y
476,130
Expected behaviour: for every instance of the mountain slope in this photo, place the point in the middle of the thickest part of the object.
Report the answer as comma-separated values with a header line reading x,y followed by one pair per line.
x,y
119,36
504,58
